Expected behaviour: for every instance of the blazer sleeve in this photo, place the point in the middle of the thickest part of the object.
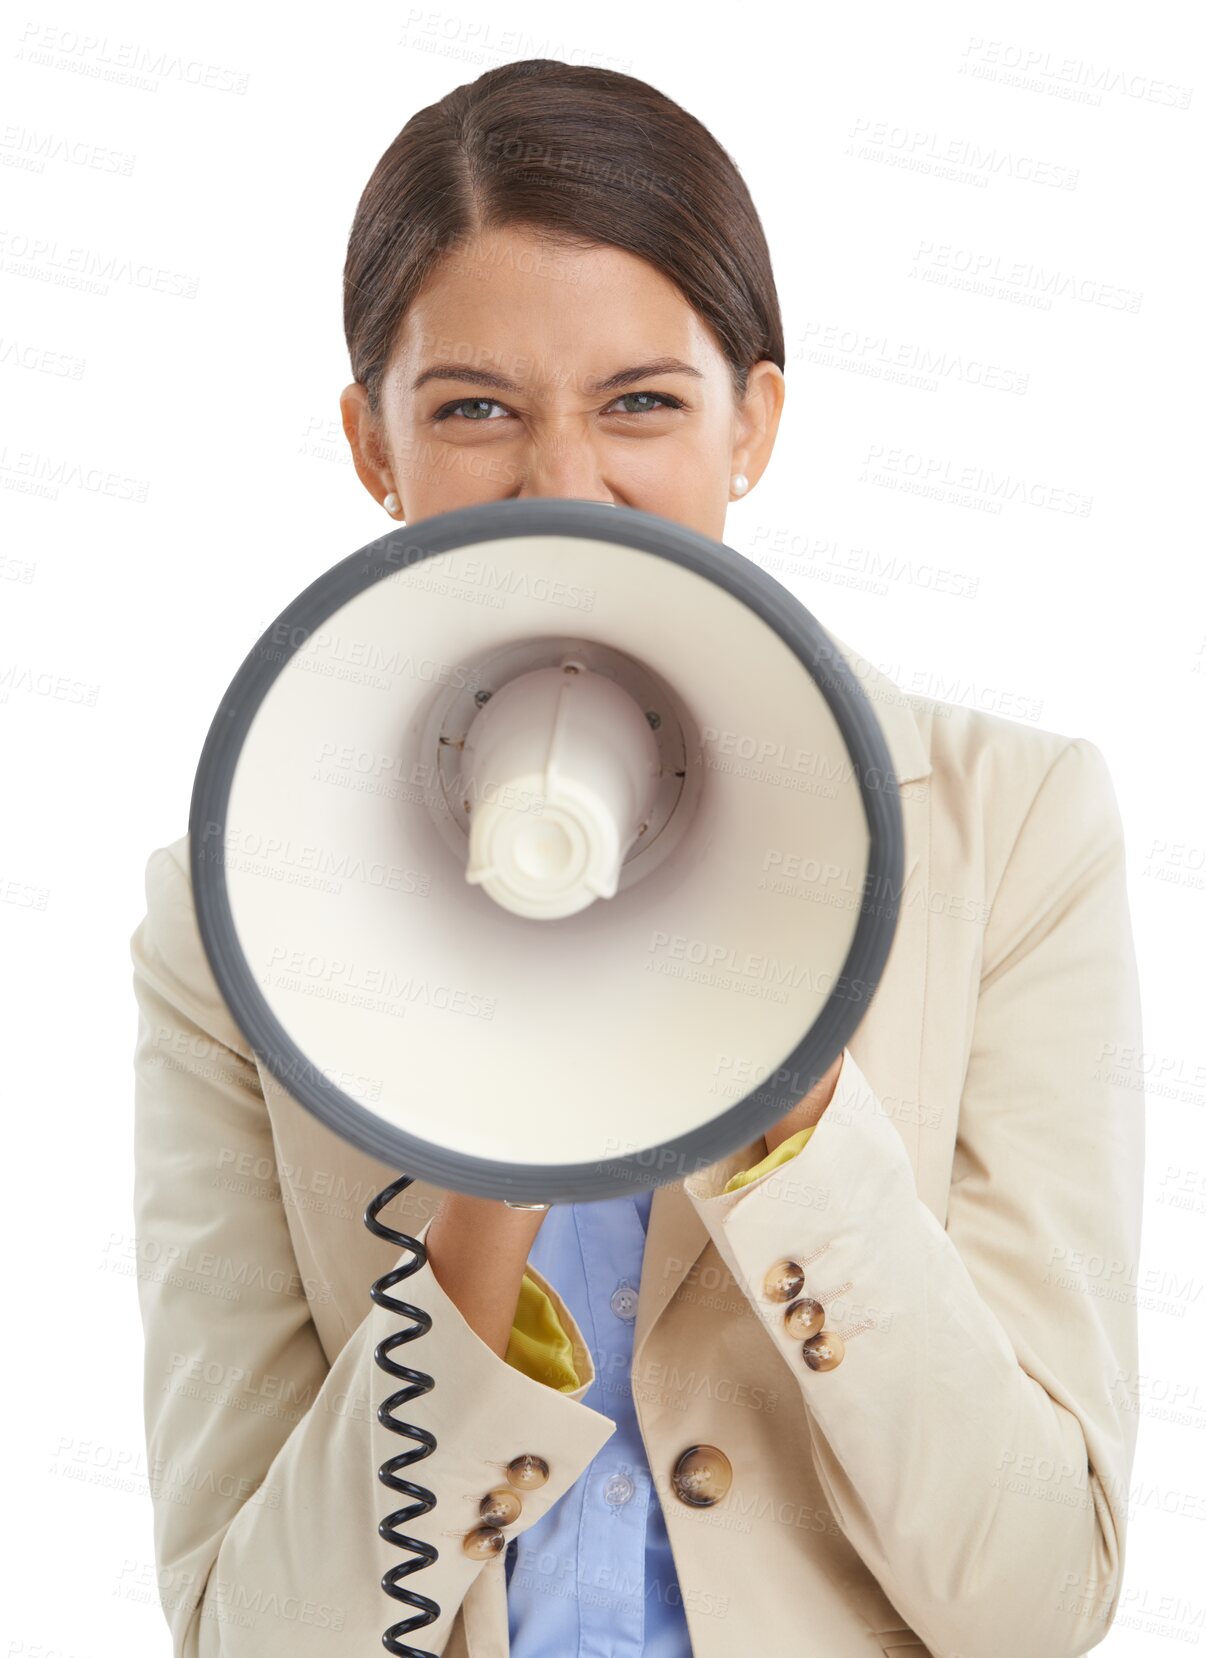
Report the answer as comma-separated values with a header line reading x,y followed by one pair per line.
x,y
538,1344
972,1441
263,1456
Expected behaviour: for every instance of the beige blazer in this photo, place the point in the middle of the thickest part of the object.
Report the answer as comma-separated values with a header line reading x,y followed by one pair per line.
x,y
967,1211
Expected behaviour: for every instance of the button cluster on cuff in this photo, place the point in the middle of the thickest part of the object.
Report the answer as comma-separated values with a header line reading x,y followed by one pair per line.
x,y
803,1316
503,1505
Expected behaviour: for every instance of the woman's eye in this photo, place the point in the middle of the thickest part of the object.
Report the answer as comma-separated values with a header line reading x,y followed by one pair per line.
x,y
663,398
468,403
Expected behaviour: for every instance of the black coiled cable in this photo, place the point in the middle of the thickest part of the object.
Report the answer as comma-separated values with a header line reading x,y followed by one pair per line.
x,y
427,1611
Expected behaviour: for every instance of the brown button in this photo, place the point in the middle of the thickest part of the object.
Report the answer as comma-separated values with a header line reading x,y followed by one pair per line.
x,y
804,1319
702,1475
824,1352
484,1543
500,1507
784,1281
527,1472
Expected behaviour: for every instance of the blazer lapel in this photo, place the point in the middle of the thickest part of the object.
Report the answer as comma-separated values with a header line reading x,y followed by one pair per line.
x,y
677,1236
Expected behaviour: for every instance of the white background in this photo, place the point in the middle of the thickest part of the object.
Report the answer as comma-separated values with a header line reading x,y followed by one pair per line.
x,y
174,473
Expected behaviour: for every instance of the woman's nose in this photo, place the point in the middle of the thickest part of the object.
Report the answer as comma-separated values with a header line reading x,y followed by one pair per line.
x,y
567,471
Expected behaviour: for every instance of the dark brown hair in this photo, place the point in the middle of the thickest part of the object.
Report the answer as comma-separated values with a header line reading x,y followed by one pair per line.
x,y
581,154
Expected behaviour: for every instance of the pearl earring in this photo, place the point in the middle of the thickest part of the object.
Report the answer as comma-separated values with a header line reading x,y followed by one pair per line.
x,y
391,503
740,484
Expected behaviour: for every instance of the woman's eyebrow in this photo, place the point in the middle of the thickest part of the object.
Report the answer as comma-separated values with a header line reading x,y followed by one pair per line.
x,y
613,382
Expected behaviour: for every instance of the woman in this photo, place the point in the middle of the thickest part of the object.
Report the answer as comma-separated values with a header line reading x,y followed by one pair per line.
x,y
862,1375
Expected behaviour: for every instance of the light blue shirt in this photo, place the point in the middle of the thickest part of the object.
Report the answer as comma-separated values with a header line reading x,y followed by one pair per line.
x,y
594,1577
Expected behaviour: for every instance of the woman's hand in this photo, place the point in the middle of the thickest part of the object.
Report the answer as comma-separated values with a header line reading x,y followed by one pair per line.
x,y
809,1111
477,1249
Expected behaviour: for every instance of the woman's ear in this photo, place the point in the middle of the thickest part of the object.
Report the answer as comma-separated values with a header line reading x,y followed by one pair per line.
x,y
363,432
756,422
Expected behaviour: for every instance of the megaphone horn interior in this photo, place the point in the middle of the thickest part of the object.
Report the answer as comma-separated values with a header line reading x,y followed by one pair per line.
x,y
485,841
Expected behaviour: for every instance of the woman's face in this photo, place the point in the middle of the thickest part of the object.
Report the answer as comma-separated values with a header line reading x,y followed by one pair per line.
x,y
526,367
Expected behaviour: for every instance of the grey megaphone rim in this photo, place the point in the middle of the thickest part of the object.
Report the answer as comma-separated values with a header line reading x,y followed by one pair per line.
x,y
565,1182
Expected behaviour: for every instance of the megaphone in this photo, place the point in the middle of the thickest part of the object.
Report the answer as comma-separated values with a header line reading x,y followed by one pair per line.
x,y
565,749
535,770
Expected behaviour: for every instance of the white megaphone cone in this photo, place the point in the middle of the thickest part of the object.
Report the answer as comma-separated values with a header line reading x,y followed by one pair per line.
x,y
440,755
